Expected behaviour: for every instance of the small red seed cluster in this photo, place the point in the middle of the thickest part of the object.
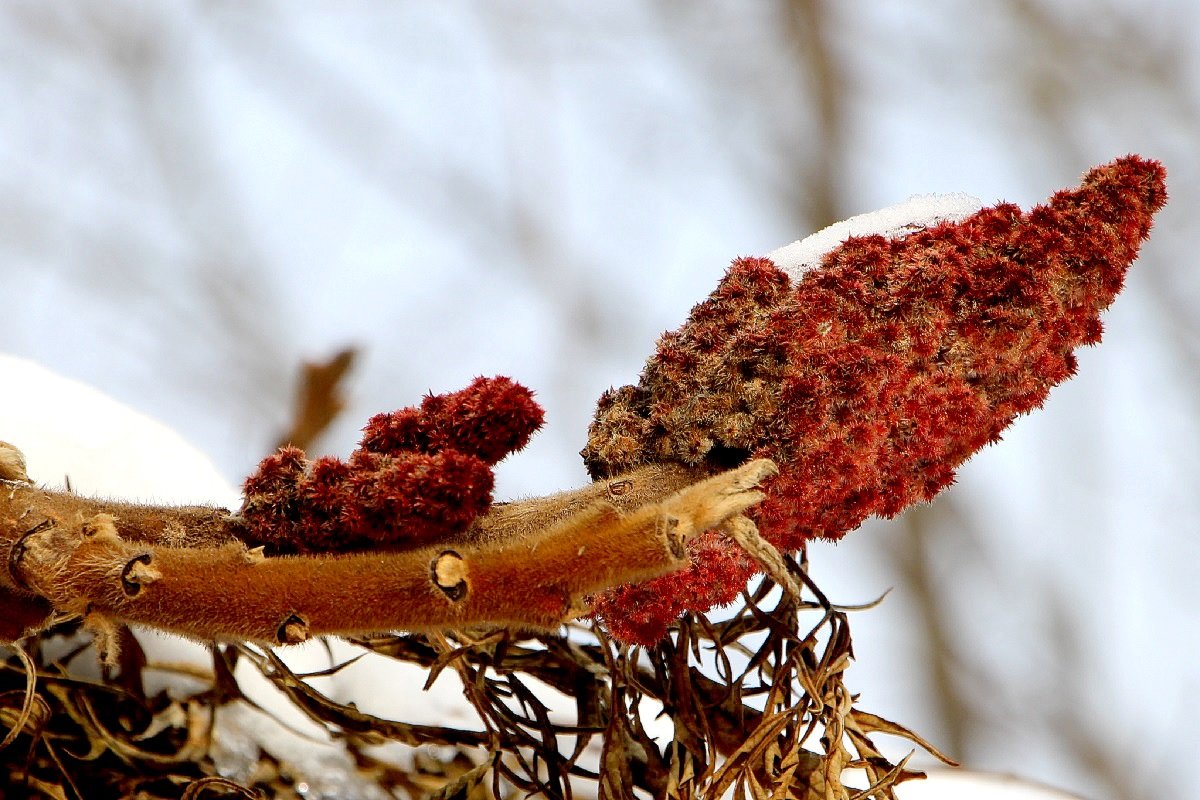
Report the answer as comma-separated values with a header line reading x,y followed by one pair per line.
x,y
419,475
874,377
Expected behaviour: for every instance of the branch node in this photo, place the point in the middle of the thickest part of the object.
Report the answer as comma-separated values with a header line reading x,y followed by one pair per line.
x,y
138,572
675,540
99,525
618,488
449,573
294,630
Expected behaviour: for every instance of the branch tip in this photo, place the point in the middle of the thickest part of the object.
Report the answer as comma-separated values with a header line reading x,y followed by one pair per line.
x,y
12,464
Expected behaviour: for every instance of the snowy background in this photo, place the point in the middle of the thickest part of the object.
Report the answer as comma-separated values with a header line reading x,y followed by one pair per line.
x,y
196,196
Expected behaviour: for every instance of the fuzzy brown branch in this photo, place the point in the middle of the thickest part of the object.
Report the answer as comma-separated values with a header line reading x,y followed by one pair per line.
x,y
530,563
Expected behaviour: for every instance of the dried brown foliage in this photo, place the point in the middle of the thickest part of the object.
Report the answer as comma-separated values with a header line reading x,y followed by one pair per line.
x,y
758,703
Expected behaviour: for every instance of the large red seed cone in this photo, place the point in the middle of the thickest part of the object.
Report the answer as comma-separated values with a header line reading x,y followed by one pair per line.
x,y
872,378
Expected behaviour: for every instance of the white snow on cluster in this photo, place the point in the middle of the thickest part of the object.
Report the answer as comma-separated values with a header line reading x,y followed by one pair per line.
x,y
915,214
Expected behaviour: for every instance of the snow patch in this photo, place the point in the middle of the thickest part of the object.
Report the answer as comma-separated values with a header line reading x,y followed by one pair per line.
x,y
894,222
69,431
955,784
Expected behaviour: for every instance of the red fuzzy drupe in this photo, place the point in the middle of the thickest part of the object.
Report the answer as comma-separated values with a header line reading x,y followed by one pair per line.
x,y
489,419
419,475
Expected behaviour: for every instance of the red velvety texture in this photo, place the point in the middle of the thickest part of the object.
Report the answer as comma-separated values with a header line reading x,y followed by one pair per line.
x,y
489,419
420,475
875,376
